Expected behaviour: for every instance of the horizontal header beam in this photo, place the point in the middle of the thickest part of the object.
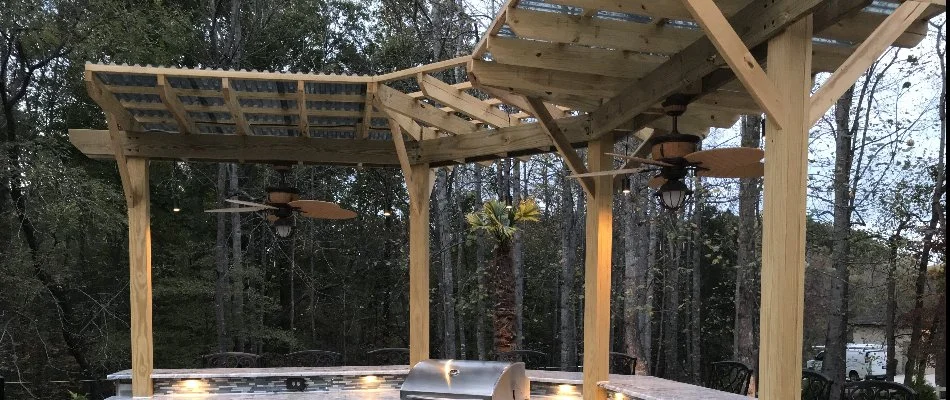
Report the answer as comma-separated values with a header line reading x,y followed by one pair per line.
x,y
236,148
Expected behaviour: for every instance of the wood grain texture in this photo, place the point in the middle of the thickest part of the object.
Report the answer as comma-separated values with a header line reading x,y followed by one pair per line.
x,y
737,55
571,158
174,105
597,266
651,8
400,102
419,192
234,107
462,102
140,277
783,222
572,58
234,148
514,78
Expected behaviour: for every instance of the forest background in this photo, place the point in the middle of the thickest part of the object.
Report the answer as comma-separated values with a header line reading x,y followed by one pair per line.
x,y
685,289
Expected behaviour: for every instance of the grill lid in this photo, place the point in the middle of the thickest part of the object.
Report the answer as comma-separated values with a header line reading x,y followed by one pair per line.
x,y
465,379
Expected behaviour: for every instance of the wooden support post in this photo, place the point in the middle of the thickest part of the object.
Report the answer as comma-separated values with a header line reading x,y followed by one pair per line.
x,y
140,272
597,270
418,183
783,222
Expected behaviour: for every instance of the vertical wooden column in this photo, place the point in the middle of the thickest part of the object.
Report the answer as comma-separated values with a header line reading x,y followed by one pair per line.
x,y
140,272
419,184
597,270
783,221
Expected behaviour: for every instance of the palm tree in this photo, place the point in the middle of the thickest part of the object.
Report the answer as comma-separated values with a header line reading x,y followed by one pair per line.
x,y
499,222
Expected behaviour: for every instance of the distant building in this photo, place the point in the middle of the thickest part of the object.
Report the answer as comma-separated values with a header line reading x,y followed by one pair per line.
x,y
870,329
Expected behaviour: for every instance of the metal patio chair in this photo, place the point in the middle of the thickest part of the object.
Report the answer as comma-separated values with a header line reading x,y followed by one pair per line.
x,y
313,358
727,376
532,359
815,386
623,364
231,360
878,390
388,356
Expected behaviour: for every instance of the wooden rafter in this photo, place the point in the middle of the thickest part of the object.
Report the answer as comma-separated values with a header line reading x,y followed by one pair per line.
x,y
174,105
757,22
599,32
116,143
303,118
571,58
234,106
367,116
520,102
414,130
563,145
543,80
462,102
233,148
401,152
651,8
399,102
737,55
863,57
482,46
428,68
460,86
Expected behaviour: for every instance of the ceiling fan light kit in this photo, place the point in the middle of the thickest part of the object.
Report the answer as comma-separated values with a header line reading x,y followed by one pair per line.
x,y
673,194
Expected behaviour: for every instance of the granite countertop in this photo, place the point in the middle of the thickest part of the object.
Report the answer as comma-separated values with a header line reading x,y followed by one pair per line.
x,y
196,373
651,388
380,394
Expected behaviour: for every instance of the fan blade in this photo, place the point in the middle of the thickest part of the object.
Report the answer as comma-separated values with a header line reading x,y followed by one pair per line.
x,y
321,209
235,209
743,171
726,159
641,160
611,172
656,181
248,203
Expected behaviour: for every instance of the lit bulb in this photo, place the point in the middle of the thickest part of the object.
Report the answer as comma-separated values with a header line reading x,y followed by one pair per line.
x,y
387,213
176,209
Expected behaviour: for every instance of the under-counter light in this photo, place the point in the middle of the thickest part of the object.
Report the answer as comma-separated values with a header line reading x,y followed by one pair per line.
x,y
566,389
370,381
192,386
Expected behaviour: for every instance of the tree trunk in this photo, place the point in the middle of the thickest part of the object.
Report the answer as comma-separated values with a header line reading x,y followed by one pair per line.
x,y
516,257
834,364
671,286
221,283
696,296
446,278
503,315
890,322
568,344
745,347
480,259
237,270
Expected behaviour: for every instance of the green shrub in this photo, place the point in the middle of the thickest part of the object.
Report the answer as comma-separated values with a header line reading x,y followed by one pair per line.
x,y
924,390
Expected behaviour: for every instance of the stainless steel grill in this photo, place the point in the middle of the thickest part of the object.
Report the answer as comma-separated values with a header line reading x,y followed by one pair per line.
x,y
465,379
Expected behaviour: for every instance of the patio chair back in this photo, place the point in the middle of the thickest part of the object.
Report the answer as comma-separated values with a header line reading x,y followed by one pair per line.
x,y
388,356
532,359
878,390
727,376
231,360
815,386
313,358
623,364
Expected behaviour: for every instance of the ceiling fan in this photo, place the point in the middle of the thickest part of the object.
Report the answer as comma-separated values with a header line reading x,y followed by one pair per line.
x,y
283,202
674,156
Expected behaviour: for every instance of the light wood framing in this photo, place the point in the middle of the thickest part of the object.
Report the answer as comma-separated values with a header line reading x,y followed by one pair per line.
x,y
140,273
419,190
597,265
573,160
783,219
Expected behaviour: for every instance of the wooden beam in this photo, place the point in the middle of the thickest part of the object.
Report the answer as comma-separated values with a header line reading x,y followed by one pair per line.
x,y
482,46
233,74
737,55
783,222
174,105
303,117
116,144
598,32
563,145
234,106
597,265
651,8
543,80
862,58
233,148
856,29
757,23
418,183
572,58
428,68
519,101
460,86
401,152
106,99
397,101
462,102
367,116
140,277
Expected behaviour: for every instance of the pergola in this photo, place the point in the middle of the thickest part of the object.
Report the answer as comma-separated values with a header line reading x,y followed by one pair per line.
x,y
547,76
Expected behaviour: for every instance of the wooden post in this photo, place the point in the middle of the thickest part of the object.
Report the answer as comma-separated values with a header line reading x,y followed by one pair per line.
x,y
419,184
140,272
597,270
783,221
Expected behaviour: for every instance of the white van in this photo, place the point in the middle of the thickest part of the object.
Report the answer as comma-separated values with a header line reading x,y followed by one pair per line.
x,y
864,361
